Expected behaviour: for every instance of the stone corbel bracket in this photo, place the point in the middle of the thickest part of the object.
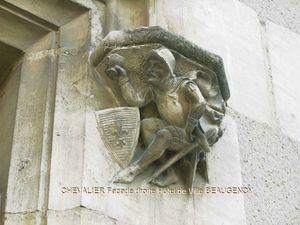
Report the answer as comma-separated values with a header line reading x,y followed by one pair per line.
x,y
157,35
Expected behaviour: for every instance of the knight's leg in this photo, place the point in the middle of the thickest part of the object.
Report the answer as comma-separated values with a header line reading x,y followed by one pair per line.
x,y
149,128
154,151
179,141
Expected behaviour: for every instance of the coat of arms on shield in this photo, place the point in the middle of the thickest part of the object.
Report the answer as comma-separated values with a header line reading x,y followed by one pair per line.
x,y
119,129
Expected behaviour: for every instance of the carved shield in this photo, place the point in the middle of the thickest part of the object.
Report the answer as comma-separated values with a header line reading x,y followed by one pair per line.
x,y
119,129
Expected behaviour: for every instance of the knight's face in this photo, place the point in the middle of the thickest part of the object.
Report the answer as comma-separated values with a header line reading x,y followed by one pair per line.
x,y
157,71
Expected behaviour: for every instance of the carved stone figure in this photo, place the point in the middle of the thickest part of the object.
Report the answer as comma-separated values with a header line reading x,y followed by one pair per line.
x,y
181,103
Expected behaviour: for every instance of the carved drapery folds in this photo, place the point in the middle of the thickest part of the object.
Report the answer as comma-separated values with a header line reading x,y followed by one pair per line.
x,y
168,103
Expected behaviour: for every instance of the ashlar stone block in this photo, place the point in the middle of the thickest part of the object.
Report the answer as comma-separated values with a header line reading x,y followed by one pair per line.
x,y
284,53
231,30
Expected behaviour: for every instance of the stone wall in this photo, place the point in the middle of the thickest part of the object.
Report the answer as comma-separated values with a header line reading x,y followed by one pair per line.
x,y
48,129
281,12
261,63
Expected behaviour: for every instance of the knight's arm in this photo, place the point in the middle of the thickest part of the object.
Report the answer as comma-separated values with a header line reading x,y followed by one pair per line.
x,y
131,96
197,106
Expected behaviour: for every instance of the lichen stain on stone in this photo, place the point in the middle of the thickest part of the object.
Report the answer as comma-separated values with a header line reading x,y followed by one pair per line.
x,y
40,55
23,163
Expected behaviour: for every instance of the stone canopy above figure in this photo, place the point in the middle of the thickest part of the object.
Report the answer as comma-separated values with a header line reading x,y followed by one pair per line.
x,y
180,91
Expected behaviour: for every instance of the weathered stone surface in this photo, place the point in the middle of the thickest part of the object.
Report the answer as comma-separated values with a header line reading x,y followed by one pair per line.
x,y
18,32
33,218
269,161
29,167
231,30
282,12
284,54
69,117
75,216
24,173
58,13
8,55
8,104
97,20
78,215
224,170
125,14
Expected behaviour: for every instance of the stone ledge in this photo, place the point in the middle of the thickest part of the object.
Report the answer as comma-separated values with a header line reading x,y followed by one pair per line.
x,y
156,34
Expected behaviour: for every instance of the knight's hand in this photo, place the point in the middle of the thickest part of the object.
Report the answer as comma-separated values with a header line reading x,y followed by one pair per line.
x,y
189,134
115,72
121,71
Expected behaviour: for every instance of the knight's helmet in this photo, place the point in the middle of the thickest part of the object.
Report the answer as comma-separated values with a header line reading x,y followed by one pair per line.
x,y
166,56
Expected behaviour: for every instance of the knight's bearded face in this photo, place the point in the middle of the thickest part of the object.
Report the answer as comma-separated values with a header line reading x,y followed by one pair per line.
x,y
157,71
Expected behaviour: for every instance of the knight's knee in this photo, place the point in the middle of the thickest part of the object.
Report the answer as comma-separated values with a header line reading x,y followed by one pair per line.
x,y
146,127
145,124
163,134
149,127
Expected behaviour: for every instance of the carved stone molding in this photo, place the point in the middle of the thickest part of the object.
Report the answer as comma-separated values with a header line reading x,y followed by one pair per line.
x,y
36,42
